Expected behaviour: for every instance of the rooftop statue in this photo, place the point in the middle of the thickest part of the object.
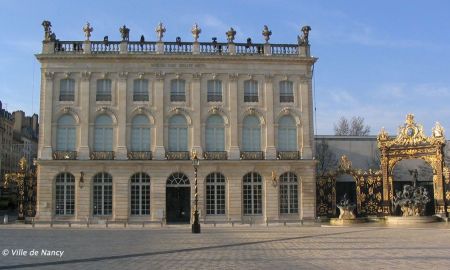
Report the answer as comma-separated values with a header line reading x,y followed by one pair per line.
x,y
438,130
87,29
266,33
230,35
47,30
196,30
125,33
160,30
304,39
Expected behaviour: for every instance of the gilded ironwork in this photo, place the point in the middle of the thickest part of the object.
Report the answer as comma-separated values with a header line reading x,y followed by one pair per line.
x,y
139,155
68,155
215,155
181,155
252,155
288,155
102,155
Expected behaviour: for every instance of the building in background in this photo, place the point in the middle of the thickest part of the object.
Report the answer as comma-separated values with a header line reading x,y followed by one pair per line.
x,y
119,120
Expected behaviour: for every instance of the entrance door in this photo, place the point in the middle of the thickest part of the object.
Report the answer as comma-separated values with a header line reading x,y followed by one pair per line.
x,y
178,204
178,199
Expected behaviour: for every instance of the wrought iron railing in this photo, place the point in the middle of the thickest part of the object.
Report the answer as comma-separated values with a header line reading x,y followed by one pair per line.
x,y
140,155
215,155
102,155
288,155
65,155
252,155
285,98
177,155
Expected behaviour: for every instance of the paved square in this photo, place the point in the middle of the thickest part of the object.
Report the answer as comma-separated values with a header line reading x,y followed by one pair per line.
x,y
276,247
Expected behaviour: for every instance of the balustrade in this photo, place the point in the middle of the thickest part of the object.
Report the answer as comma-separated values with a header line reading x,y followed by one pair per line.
x,y
213,48
178,47
284,49
68,47
142,47
252,49
105,47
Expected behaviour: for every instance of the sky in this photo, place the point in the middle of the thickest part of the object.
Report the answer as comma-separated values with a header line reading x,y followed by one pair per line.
x,y
377,59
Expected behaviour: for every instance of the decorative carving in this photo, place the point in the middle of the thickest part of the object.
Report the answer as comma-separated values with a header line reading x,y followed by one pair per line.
x,y
412,200
124,33
268,78
346,208
196,76
288,155
230,35
139,155
233,76
67,75
266,33
140,75
102,155
345,163
86,75
123,75
181,155
196,30
252,155
87,29
286,111
64,155
48,35
160,75
304,39
49,75
160,30
215,155
438,130
383,136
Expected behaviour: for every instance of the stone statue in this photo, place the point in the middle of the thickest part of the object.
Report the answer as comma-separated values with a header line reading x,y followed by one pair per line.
x,y
438,130
345,163
160,30
47,30
266,33
230,35
346,208
196,32
412,200
304,39
125,33
87,29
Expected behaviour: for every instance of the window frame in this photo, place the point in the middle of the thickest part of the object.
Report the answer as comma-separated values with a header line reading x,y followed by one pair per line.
x,y
288,194
287,131
215,194
65,183
286,88
68,129
253,133
251,91
103,186
178,93
252,194
141,90
217,130
141,128
67,90
214,91
104,90
140,184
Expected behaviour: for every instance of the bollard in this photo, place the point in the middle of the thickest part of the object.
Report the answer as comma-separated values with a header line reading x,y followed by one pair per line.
x,y
143,224
32,222
5,219
70,224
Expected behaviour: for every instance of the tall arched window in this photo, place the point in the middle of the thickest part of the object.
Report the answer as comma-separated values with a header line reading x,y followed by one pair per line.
x,y
287,134
177,90
215,133
252,194
215,194
288,193
140,133
102,192
103,133
251,134
286,91
67,90
103,90
140,194
178,133
251,91
65,194
66,133
140,90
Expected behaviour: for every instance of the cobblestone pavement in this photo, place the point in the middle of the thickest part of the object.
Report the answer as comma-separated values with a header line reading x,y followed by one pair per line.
x,y
239,247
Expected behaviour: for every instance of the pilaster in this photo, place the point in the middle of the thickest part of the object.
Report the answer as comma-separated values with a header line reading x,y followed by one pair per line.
x,y
271,150
307,118
83,150
196,119
234,151
46,116
121,151
159,151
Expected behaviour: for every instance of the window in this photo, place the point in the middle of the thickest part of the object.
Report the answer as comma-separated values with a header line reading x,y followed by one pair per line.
x,y
178,137
214,91
103,90
178,179
103,133
102,192
252,194
251,134
177,90
65,194
286,91
287,134
140,133
215,133
66,90
251,91
215,194
140,90
288,193
140,194
66,133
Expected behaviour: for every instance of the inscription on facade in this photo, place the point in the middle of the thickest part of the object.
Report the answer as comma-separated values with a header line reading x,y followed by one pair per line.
x,y
181,65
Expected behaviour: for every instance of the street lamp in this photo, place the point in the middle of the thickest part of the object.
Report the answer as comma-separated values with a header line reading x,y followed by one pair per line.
x,y
195,164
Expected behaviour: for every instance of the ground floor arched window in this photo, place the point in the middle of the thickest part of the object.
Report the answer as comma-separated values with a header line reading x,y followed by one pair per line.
x,y
215,194
65,194
288,193
140,194
102,194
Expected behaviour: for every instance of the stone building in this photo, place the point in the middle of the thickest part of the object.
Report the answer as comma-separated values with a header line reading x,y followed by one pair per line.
x,y
120,119
6,139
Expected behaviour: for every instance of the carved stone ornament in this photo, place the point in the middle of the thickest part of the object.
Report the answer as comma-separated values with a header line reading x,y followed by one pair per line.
x,y
141,75
87,29
66,110
49,75
304,39
345,163
123,75
230,35
103,109
215,110
160,75
196,76
286,111
160,30
124,33
268,78
47,30
438,130
233,76
196,30
67,75
86,75
105,75
266,33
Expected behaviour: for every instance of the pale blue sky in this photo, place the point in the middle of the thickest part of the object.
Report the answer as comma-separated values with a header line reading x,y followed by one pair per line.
x,y
377,59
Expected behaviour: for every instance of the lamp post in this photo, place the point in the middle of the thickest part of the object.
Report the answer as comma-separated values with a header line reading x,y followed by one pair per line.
x,y
195,164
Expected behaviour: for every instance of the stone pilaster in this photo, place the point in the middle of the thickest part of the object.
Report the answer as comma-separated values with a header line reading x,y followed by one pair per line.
x,y
234,151
307,118
234,204
271,150
83,194
196,120
270,198
121,150
159,151
46,116
83,149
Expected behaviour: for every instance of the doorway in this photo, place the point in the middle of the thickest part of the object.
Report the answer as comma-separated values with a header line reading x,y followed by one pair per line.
x,y
178,199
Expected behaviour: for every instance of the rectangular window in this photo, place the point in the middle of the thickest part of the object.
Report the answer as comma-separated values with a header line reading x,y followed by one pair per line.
x,y
177,90
251,91
286,91
103,90
214,91
67,90
140,90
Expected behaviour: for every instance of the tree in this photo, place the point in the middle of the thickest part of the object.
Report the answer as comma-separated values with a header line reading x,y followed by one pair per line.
x,y
326,158
355,128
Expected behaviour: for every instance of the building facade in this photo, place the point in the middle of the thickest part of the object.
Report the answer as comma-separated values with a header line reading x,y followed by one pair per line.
x,y
119,121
